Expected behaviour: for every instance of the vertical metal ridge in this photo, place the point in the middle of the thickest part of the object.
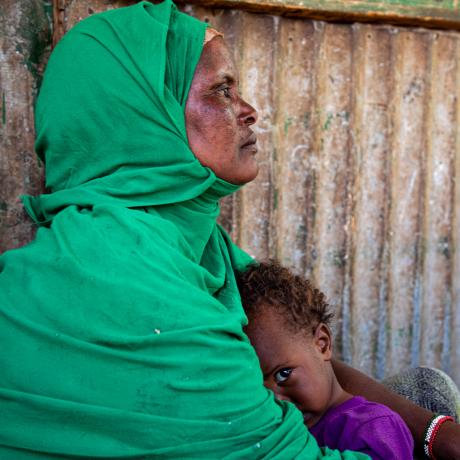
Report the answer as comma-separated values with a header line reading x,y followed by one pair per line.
x,y
292,162
455,275
410,75
438,200
371,148
332,146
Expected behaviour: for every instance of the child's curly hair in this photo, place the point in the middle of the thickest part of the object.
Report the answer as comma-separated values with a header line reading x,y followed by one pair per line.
x,y
293,297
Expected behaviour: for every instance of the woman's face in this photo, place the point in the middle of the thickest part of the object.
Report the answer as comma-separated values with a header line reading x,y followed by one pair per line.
x,y
218,120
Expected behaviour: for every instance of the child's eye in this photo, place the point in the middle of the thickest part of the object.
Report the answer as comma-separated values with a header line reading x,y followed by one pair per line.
x,y
283,374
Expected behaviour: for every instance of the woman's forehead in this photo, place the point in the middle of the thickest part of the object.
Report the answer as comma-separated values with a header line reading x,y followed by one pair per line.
x,y
217,61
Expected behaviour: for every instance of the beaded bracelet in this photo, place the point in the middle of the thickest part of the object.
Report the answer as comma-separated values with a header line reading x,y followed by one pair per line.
x,y
431,431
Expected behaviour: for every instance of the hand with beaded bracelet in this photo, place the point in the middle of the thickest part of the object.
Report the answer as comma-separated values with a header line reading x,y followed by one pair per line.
x,y
432,431
446,445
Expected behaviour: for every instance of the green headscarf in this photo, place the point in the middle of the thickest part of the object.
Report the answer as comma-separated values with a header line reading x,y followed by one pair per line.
x,y
120,324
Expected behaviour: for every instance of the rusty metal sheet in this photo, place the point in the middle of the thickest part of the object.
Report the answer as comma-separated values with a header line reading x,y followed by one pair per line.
x,y
294,159
436,298
455,275
370,195
25,38
360,164
331,160
411,77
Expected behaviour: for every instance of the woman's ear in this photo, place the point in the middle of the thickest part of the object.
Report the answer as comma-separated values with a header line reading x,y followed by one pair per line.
x,y
323,341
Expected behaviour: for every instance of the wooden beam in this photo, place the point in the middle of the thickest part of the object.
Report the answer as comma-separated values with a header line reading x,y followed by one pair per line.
x,y
443,14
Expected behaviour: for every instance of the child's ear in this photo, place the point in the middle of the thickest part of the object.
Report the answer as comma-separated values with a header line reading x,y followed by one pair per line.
x,y
323,340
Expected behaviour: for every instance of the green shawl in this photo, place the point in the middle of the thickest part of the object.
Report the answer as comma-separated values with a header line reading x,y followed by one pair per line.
x,y
120,324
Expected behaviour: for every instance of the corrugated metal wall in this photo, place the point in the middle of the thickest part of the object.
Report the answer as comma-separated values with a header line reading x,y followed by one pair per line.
x,y
359,186
359,150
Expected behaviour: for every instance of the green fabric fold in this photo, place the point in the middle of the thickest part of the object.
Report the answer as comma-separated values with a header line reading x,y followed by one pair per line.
x,y
121,328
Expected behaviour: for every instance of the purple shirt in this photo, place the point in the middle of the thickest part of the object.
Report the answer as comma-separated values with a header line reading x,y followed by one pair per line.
x,y
364,426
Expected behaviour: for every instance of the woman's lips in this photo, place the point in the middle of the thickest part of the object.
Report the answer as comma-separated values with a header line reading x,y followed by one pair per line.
x,y
251,143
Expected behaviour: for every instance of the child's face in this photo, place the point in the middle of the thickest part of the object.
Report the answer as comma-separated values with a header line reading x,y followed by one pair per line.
x,y
296,367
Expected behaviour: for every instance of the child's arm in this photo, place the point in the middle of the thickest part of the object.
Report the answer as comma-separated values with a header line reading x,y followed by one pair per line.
x,y
447,443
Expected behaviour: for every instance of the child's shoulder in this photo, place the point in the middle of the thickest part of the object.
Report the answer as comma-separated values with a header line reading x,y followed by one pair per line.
x,y
368,427
362,410
360,415
357,412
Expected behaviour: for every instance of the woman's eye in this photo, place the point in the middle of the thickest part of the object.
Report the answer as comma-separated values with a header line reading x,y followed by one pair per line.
x,y
282,375
225,91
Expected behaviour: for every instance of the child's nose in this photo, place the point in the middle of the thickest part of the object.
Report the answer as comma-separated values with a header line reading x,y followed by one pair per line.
x,y
282,397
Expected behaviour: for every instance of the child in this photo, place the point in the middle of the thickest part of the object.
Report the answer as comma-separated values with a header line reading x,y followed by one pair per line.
x,y
289,329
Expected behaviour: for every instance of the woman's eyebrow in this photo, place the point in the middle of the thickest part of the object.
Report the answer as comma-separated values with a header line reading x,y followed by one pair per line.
x,y
227,78
224,79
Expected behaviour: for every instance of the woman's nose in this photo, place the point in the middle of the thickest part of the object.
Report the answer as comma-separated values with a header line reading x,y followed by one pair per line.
x,y
248,114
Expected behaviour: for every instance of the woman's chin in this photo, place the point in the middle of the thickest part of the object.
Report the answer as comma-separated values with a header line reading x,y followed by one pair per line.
x,y
250,170
244,174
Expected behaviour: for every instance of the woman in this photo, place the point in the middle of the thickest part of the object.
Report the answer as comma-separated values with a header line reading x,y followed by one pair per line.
x,y
121,324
